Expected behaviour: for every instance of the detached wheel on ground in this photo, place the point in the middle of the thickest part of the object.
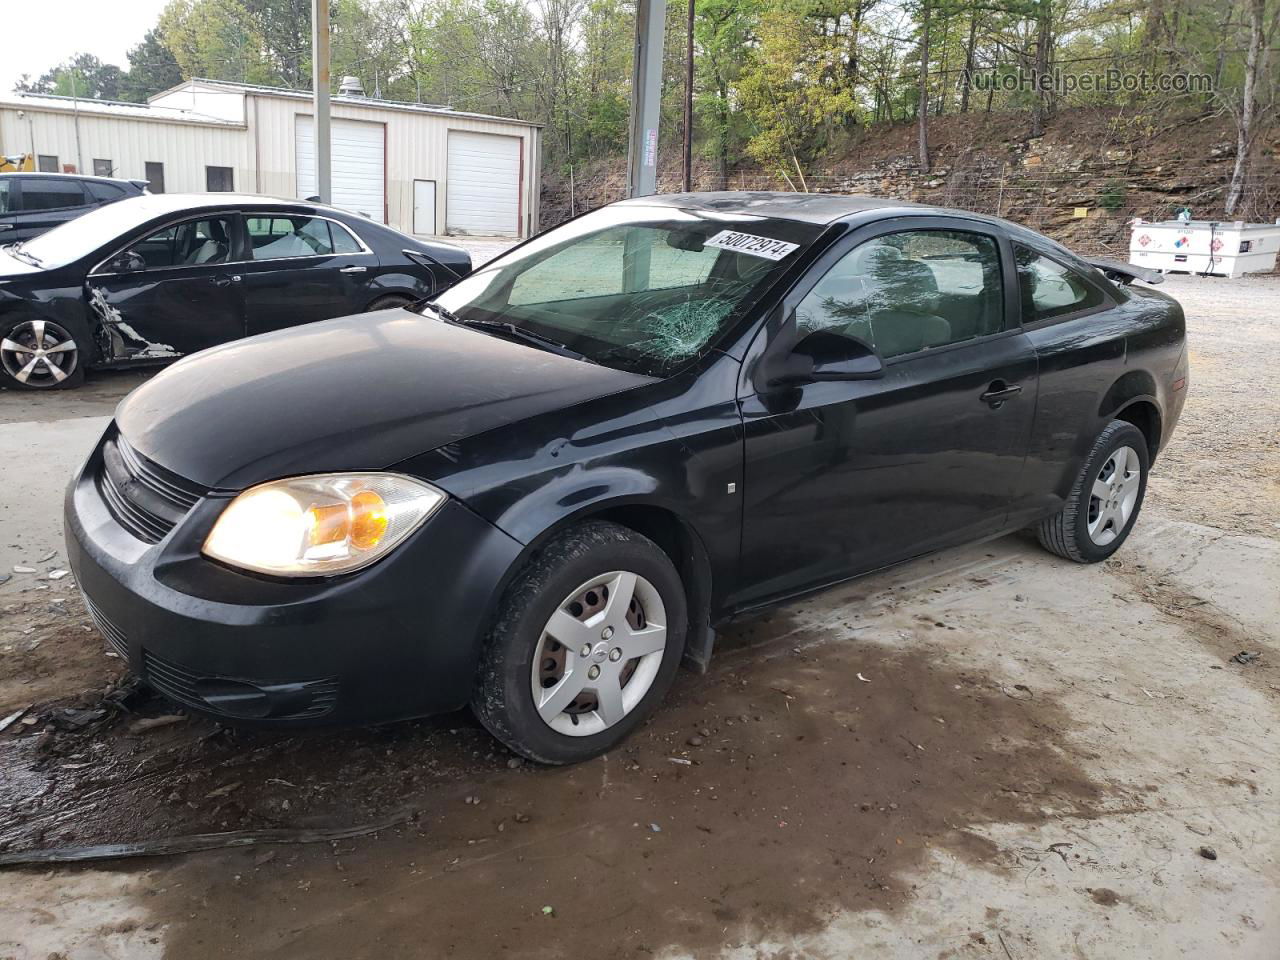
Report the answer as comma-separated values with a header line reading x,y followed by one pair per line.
x,y
40,355
586,644
389,301
1105,499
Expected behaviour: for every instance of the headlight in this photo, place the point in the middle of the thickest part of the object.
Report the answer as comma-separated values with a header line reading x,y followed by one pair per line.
x,y
324,524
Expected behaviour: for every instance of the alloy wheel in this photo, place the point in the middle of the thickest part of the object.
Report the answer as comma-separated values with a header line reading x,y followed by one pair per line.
x,y
1114,495
599,654
39,353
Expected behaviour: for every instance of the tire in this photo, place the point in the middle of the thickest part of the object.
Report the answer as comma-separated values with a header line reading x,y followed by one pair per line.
x,y
389,301
1088,529
557,583
61,367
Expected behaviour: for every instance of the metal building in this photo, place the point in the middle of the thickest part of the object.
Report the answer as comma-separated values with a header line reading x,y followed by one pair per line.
x,y
421,169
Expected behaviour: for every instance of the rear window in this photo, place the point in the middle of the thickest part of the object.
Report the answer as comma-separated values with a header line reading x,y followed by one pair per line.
x,y
104,192
285,238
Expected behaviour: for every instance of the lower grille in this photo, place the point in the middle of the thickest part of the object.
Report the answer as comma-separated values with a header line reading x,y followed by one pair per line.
x,y
293,700
110,632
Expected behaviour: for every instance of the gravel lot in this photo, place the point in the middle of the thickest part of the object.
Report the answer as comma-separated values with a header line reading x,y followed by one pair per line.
x,y
1044,761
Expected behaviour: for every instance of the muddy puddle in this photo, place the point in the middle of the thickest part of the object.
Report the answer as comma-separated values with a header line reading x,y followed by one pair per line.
x,y
770,794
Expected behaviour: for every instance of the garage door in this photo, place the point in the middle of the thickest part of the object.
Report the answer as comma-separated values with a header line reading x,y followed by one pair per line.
x,y
482,195
356,162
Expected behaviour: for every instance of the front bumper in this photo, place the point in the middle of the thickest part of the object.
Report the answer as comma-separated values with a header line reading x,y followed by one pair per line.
x,y
399,639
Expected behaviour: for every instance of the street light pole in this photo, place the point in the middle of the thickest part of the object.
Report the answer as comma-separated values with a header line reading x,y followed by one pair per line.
x,y
320,91
646,98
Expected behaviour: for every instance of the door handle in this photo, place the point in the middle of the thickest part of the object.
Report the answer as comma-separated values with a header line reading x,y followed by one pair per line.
x,y
353,269
224,281
6,226
998,392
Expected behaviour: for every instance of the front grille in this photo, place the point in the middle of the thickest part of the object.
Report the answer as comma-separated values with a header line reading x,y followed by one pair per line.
x,y
305,699
113,634
145,499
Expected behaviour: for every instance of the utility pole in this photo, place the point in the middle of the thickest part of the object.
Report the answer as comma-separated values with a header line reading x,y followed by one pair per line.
x,y
646,98
688,105
320,92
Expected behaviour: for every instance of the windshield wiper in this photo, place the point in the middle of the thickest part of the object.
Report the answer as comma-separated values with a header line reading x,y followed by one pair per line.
x,y
504,328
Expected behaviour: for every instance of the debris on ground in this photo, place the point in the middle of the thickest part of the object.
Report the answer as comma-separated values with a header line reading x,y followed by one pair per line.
x,y
147,724
1247,658
1208,853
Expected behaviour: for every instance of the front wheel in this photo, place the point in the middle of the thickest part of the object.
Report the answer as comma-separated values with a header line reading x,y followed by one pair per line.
x,y
1105,499
41,355
586,644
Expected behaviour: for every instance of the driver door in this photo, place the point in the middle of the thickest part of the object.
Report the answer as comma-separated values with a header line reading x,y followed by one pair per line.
x,y
175,291
843,477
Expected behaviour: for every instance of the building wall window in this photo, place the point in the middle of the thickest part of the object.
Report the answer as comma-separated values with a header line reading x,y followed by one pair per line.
x,y
155,177
103,168
218,179
46,163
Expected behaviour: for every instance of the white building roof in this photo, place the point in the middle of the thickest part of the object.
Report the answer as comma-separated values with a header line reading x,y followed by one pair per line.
x,y
19,100
287,93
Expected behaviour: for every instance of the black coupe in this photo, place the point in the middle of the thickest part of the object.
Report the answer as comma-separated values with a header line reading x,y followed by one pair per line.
x,y
541,490
156,277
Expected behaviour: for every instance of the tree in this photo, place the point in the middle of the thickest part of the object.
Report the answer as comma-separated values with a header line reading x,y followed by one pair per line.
x,y
152,69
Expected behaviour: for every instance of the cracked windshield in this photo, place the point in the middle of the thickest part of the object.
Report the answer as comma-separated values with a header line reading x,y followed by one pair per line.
x,y
644,289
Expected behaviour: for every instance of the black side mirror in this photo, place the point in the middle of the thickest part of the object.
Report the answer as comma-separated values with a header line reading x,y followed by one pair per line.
x,y
826,355
127,262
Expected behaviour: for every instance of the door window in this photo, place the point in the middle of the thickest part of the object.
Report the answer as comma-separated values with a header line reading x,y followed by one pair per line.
x,y
1050,289
39,193
194,243
911,291
281,238
6,196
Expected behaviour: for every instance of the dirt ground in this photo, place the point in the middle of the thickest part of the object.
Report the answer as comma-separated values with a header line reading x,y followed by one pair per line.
x,y
987,753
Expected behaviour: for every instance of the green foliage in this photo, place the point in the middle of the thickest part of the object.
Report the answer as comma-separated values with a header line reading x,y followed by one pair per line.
x,y
1112,195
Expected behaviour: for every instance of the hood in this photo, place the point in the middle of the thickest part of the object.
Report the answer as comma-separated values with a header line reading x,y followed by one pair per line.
x,y
358,393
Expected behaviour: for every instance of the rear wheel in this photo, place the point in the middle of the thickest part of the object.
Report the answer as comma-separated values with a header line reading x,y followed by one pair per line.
x,y
389,301
586,645
41,355
1105,499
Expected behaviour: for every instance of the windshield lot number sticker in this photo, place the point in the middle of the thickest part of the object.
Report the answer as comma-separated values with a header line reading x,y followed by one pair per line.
x,y
751,244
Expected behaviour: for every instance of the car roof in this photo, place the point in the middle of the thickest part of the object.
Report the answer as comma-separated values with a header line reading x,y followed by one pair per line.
x,y
827,208
122,181
160,204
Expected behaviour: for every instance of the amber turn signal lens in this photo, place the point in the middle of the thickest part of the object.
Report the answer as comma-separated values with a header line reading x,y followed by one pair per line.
x,y
327,523
368,520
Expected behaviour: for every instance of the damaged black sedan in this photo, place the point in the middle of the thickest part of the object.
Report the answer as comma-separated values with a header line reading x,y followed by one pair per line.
x,y
153,278
540,491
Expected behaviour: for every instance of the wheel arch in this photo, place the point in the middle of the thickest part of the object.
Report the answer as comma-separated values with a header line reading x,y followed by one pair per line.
x,y
675,535
1133,399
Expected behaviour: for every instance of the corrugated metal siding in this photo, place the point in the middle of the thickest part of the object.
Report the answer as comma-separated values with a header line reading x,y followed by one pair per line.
x,y
263,155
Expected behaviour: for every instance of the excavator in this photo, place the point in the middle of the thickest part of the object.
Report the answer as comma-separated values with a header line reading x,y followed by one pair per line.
x,y
22,163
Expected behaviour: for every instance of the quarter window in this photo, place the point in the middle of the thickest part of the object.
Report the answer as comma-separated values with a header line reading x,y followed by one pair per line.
x,y
48,194
280,238
193,243
910,291
1050,289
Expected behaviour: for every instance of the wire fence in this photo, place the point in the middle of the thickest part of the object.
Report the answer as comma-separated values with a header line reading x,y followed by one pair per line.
x,y
1088,210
